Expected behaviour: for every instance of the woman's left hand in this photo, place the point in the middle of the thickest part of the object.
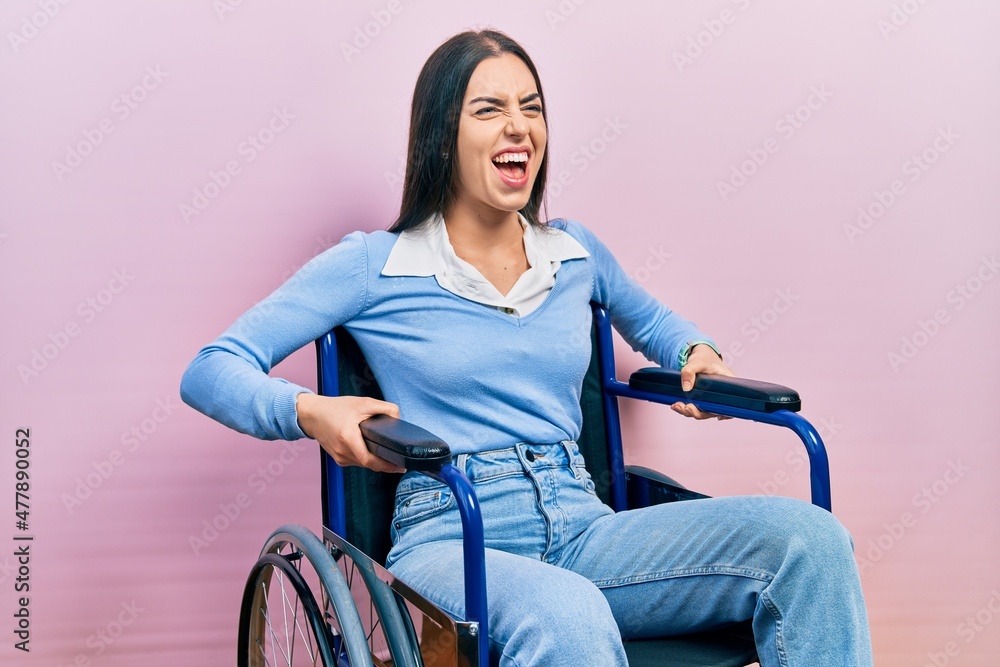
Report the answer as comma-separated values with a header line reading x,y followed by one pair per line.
x,y
701,359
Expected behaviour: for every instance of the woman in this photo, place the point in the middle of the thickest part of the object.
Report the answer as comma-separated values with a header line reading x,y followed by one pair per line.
x,y
475,318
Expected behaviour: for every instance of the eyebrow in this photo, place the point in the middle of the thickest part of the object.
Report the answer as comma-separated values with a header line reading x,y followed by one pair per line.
x,y
499,102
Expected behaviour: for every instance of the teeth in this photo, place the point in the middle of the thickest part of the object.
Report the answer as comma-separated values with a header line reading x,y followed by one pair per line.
x,y
511,157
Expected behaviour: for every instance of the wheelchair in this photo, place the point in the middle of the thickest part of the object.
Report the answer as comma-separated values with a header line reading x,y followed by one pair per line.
x,y
329,601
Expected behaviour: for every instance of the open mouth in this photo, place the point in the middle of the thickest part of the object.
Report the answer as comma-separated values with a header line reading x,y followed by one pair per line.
x,y
512,166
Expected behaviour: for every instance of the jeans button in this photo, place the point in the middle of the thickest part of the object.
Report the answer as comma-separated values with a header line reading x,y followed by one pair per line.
x,y
530,455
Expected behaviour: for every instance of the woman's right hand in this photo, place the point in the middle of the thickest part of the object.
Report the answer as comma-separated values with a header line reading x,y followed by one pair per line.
x,y
332,421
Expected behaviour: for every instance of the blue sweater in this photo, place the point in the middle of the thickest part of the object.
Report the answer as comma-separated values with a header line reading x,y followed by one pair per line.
x,y
474,376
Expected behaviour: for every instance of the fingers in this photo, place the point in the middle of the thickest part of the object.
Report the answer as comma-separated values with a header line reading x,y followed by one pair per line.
x,y
360,456
693,412
365,458
703,359
709,366
351,450
373,406
688,374
338,433
689,410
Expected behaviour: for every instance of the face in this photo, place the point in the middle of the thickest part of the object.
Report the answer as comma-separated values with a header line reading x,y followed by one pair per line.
x,y
501,136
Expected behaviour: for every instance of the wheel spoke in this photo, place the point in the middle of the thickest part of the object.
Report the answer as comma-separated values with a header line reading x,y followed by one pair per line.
x,y
287,606
311,630
262,651
295,626
284,616
306,636
294,556
266,612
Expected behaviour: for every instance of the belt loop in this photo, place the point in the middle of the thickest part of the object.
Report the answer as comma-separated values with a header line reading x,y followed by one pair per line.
x,y
460,462
567,446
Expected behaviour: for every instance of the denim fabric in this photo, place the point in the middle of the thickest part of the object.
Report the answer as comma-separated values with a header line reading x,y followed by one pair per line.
x,y
567,578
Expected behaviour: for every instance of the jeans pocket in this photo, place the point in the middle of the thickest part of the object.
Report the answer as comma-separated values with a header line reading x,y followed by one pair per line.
x,y
421,504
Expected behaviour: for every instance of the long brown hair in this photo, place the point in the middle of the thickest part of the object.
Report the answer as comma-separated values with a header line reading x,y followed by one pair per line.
x,y
429,185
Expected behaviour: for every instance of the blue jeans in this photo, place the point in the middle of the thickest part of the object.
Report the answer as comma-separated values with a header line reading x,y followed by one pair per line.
x,y
568,579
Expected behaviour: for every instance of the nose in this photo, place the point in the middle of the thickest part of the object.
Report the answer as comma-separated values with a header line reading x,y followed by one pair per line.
x,y
517,123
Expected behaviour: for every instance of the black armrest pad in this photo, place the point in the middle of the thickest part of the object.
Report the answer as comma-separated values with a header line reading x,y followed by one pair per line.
x,y
404,444
723,390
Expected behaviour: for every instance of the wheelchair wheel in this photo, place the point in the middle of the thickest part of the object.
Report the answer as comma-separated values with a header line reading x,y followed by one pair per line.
x,y
392,638
297,608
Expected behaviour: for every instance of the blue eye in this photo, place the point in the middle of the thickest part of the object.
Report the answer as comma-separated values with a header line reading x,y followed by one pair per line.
x,y
486,110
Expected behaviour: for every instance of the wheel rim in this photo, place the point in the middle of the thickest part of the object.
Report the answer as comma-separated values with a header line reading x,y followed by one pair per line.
x,y
308,603
286,627
309,574
335,632
393,639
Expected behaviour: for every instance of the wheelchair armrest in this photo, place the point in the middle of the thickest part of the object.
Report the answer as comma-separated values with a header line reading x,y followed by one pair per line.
x,y
414,448
655,476
404,444
645,487
719,389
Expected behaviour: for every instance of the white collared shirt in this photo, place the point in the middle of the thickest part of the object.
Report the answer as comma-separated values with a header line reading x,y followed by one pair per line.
x,y
427,251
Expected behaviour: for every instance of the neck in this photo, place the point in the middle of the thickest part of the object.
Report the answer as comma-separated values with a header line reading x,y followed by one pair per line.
x,y
478,232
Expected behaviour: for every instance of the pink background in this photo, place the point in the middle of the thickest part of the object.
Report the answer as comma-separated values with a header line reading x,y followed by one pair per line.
x,y
662,133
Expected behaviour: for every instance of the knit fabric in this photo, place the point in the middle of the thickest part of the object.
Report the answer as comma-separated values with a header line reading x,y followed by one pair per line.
x,y
476,377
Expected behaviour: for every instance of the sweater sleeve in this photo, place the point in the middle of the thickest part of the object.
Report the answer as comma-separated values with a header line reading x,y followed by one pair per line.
x,y
647,325
228,378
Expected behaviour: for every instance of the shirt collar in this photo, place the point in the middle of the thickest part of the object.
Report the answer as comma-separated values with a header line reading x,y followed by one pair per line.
x,y
426,251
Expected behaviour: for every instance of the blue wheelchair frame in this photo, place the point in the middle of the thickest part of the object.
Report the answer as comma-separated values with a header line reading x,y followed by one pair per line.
x,y
334,518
